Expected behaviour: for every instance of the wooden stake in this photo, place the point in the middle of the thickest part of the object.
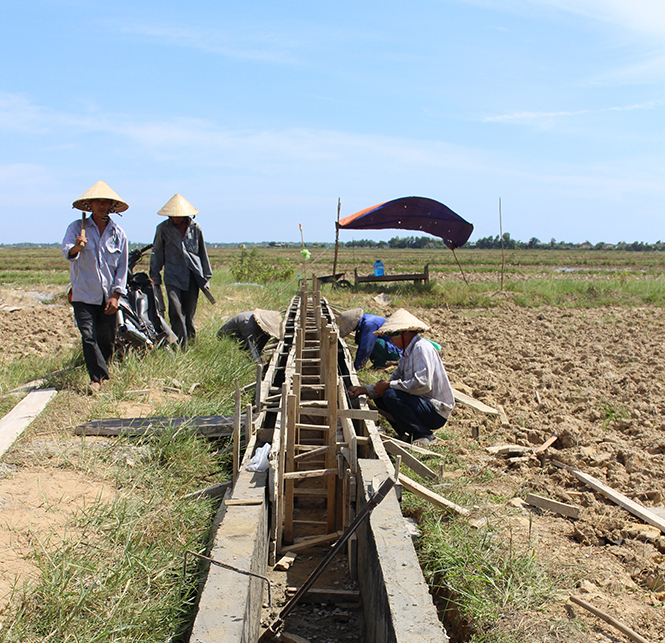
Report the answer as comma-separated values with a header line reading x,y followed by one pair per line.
x,y
236,434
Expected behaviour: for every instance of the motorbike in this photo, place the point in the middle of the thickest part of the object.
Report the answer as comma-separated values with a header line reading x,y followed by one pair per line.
x,y
141,322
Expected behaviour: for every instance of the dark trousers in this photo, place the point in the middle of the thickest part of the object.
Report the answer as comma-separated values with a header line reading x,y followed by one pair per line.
x,y
182,309
412,416
98,335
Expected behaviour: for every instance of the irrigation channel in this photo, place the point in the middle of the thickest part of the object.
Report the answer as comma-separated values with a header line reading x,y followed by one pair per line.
x,y
329,473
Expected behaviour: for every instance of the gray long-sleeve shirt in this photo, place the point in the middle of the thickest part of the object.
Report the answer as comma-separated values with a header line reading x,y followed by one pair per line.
x,y
179,255
421,372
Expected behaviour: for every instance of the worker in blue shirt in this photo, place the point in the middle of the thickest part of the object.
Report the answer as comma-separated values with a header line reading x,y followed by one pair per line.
x,y
97,250
379,349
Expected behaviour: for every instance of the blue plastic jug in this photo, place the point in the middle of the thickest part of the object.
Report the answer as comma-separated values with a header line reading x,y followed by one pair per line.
x,y
378,268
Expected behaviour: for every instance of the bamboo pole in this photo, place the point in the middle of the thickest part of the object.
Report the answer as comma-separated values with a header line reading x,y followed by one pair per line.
x,y
501,233
631,634
339,207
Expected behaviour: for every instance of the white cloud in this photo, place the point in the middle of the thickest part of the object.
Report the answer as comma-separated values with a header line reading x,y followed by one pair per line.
x,y
546,120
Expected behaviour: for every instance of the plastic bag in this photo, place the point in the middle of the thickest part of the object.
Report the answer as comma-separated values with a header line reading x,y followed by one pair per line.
x,y
259,461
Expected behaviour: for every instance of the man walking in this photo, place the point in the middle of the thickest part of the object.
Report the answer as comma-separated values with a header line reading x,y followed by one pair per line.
x,y
97,251
179,248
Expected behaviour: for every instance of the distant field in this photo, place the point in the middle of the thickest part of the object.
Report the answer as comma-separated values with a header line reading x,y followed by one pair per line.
x,y
531,277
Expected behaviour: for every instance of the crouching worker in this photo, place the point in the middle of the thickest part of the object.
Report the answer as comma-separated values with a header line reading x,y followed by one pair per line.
x,y
377,347
179,248
97,251
253,329
418,399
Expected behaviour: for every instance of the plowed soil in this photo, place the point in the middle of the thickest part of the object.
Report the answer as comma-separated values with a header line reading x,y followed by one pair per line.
x,y
594,378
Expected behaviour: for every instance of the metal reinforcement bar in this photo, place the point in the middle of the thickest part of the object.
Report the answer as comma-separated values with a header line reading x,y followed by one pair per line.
x,y
326,446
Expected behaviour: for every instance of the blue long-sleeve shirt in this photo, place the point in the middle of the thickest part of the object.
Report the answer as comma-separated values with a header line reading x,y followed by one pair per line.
x,y
100,269
365,338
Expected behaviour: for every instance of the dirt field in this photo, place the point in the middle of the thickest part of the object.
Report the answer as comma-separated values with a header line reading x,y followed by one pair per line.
x,y
593,377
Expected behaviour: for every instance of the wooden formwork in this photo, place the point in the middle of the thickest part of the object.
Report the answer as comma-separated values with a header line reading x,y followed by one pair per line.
x,y
323,447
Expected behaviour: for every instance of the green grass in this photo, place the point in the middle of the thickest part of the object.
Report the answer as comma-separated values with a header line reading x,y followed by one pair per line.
x,y
117,574
480,578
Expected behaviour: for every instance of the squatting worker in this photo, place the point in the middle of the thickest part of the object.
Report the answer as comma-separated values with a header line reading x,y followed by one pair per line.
x,y
253,329
97,250
418,398
179,248
376,347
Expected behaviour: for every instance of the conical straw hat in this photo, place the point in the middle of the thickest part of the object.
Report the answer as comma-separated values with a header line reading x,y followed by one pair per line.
x,y
99,191
269,321
348,320
401,321
178,206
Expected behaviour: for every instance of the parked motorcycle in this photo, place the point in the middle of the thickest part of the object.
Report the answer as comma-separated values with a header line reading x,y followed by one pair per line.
x,y
140,312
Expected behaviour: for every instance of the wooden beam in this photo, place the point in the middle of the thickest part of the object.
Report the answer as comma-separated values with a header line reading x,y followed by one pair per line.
x,y
571,511
618,498
22,415
413,463
430,496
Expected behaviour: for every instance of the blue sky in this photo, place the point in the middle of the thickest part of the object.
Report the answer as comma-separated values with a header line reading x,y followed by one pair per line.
x,y
262,114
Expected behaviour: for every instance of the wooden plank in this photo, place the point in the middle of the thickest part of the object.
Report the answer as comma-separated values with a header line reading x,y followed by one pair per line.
x,y
414,448
348,429
312,427
209,426
351,414
305,543
308,454
430,496
552,505
242,502
618,498
289,464
413,463
312,473
463,398
509,449
329,345
21,416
